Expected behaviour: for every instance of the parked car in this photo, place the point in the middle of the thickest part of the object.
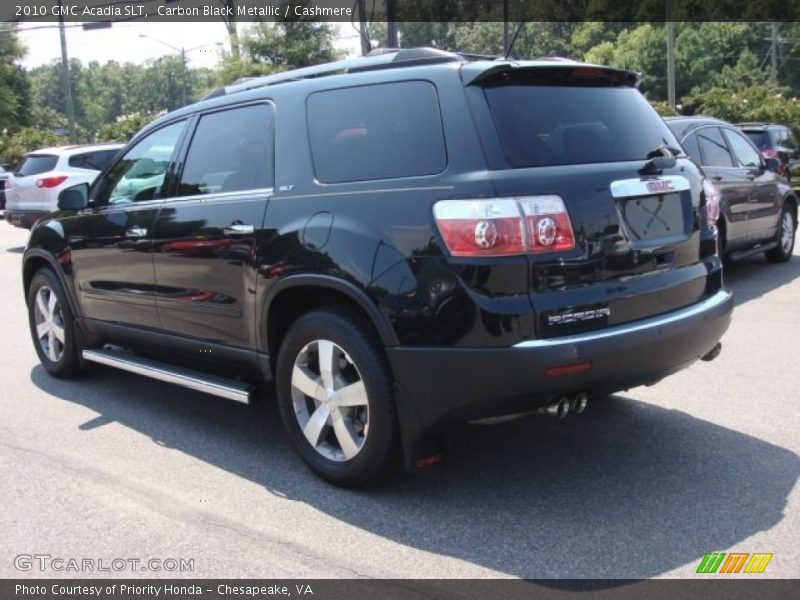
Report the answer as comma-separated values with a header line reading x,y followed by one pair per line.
x,y
32,191
758,209
775,141
4,175
400,241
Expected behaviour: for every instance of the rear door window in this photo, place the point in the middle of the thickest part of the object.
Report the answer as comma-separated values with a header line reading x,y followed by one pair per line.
x,y
715,150
745,154
35,164
231,151
376,132
545,124
759,138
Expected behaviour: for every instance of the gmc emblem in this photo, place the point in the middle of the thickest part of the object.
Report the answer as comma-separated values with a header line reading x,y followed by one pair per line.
x,y
660,185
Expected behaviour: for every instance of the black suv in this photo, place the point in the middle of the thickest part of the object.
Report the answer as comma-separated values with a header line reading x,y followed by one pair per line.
x,y
775,141
758,209
400,241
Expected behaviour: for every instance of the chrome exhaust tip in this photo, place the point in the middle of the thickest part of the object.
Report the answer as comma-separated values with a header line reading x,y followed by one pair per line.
x,y
578,402
558,409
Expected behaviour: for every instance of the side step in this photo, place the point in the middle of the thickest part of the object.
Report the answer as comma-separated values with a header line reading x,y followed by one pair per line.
x,y
740,254
202,382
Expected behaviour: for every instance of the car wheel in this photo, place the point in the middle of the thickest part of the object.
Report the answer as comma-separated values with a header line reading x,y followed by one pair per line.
x,y
52,325
335,398
786,234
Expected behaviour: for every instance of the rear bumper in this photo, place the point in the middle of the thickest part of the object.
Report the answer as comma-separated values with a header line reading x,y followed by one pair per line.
x,y
24,218
442,385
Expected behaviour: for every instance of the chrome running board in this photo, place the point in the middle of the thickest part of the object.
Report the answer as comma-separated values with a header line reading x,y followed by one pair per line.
x,y
202,382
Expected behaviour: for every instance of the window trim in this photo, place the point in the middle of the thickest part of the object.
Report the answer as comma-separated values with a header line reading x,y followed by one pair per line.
x,y
194,123
319,182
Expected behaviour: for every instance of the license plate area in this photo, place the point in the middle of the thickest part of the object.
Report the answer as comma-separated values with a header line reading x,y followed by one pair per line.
x,y
648,218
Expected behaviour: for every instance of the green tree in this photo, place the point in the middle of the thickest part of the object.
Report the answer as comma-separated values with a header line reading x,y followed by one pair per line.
x,y
15,97
289,44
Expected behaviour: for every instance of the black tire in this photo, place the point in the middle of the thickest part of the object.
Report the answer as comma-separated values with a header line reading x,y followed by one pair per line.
x,y
360,357
64,360
783,252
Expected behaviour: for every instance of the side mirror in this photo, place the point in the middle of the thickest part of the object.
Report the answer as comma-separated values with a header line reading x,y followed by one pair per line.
x,y
772,164
74,198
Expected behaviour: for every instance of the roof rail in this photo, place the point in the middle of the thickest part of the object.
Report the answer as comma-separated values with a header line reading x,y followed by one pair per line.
x,y
382,58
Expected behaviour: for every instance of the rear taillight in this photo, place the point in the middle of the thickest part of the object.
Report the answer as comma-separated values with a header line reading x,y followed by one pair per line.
x,y
712,195
504,226
50,182
481,227
769,153
548,225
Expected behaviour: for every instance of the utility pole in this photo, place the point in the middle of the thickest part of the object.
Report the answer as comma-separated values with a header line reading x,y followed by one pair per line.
x,y
506,40
391,24
774,38
183,76
670,56
65,71
362,28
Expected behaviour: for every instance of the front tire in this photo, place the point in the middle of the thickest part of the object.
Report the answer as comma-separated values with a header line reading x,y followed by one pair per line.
x,y
787,225
335,398
52,325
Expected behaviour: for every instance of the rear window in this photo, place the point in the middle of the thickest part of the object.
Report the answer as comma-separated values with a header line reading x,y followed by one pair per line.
x,y
95,161
759,138
542,125
376,132
34,164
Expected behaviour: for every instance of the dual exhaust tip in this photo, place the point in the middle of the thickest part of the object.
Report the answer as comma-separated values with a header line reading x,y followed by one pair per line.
x,y
565,404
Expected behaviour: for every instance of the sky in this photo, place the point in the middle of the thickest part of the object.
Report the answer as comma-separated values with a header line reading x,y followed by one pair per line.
x,y
123,42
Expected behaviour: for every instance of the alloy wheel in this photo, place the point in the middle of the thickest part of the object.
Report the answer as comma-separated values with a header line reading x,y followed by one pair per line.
x,y
49,321
787,232
330,400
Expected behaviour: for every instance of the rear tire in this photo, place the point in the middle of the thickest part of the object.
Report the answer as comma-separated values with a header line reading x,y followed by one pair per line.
x,y
52,325
787,226
335,397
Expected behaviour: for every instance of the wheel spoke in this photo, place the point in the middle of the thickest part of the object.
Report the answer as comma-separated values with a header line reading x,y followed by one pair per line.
x,y
354,394
42,330
41,303
305,381
51,346
347,438
327,358
58,331
51,304
315,427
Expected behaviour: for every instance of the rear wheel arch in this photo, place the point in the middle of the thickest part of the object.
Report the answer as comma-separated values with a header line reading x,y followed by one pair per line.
x,y
296,295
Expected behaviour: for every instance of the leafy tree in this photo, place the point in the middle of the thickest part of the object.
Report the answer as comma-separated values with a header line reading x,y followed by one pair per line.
x,y
124,128
15,96
289,44
14,146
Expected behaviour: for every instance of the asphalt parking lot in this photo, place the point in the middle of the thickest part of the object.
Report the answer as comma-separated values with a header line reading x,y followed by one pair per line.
x,y
118,466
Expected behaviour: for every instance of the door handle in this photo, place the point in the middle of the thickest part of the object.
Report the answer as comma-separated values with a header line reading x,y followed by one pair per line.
x,y
136,232
750,177
717,178
239,229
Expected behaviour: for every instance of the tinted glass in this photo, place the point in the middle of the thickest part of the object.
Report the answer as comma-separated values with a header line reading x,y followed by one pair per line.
x,y
692,147
791,142
95,161
376,132
139,173
745,154
230,151
715,151
759,138
543,125
34,164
